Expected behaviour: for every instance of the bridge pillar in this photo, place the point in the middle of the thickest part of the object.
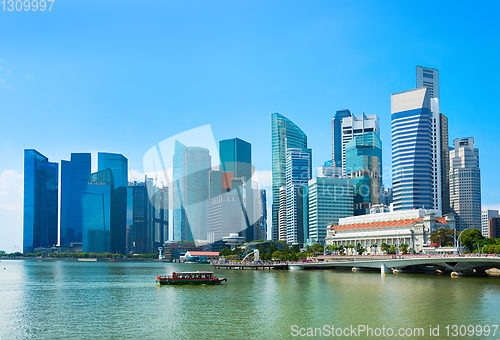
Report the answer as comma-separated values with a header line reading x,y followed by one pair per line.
x,y
384,269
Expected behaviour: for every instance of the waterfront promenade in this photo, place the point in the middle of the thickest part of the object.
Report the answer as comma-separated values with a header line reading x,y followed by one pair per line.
x,y
456,265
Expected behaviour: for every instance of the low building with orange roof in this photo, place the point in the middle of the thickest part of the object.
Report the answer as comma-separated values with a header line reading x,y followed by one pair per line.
x,y
413,227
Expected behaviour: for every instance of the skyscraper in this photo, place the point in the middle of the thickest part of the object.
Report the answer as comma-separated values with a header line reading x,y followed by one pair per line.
x,y
118,165
329,199
353,126
236,158
150,217
97,206
191,166
285,134
428,77
74,178
40,212
298,173
337,137
263,218
416,175
363,158
465,184
486,216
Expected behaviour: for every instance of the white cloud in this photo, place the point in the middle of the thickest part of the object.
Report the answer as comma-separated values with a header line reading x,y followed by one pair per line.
x,y
29,76
491,207
11,210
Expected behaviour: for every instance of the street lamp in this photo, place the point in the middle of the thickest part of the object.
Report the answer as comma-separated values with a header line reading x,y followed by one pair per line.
x,y
477,247
457,241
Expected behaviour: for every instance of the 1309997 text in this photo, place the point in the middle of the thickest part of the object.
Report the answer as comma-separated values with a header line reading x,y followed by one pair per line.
x,y
26,5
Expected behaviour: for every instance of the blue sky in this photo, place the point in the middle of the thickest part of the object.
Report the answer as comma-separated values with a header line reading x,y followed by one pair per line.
x,y
121,76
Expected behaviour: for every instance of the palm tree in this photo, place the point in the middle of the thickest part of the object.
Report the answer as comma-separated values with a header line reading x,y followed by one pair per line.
x,y
384,247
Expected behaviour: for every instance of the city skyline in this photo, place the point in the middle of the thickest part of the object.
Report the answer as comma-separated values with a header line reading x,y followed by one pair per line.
x,y
55,84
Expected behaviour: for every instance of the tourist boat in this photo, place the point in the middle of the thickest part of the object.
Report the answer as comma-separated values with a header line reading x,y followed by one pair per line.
x,y
190,278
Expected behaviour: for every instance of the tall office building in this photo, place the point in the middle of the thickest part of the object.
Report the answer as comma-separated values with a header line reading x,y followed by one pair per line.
x,y
416,156
487,215
74,177
337,137
282,215
98,203
329,199
224,216
118,165
236,158
191,166
353,126
150,216
465,184
285,134
298,173
40,212
363,160
428,77
263,218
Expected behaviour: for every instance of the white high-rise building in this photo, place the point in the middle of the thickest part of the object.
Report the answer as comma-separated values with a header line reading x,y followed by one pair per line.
x,y
428,77
465,184
486,215
416,150
353,126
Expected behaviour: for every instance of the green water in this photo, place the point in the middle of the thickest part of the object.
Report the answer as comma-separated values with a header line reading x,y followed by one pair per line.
x,y
120,300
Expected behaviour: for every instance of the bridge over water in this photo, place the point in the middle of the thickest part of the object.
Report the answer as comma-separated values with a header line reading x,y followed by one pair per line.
x,y
456,265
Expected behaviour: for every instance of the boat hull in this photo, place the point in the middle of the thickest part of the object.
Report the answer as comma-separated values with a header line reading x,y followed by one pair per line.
x,y
179,282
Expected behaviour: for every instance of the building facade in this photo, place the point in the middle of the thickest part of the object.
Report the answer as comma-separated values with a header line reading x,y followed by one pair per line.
x,y
486,216
416,170
285,134
428,77
191,166
74,177
337,137
465,184
363,160
356,126
412,227
97,204
298,173
40,213
494,227
224,217
329,200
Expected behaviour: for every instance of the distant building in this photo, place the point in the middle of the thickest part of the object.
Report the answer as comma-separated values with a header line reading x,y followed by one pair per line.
x,y
363,160
40,214
337,137
428,77
494,227
285,135
150,217
263,218
298,173
352,127
98,201
74,176
486,216
412,227
224,217
465,184
190,187
329,199
282,214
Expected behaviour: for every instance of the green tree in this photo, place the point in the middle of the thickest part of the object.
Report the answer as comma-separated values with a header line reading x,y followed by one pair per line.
x,y
404,248
360,249
277,254
392,250
384,247
225,252
443,236
469,237
318,248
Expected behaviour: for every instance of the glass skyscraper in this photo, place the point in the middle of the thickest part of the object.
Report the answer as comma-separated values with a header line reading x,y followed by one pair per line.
x,y
337,137
298,173
363,157
412,149
74,177
118,165
98,202
40,213
285,134
191,166
329,199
